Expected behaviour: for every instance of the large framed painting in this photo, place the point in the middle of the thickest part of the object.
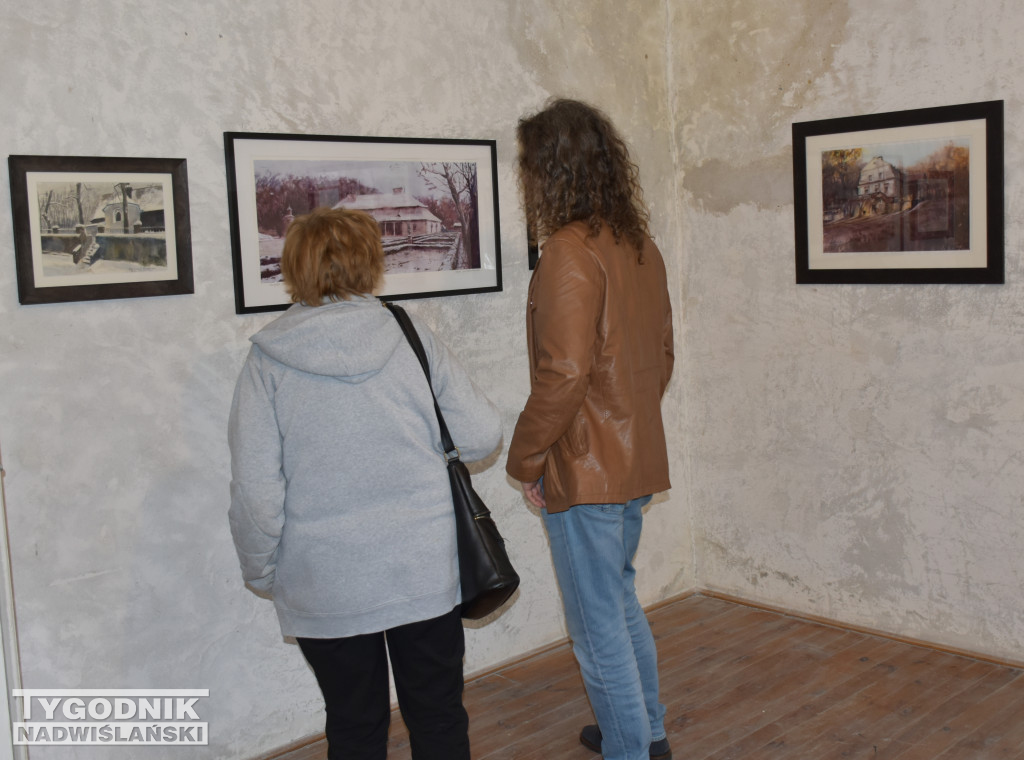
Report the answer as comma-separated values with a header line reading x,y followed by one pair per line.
x,y
435,200
904,197
89,228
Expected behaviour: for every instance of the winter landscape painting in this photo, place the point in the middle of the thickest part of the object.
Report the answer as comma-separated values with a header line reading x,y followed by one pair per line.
x,y
434,200
911,196
90,228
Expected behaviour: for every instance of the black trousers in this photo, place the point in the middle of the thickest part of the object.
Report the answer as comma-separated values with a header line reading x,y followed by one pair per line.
x,y
426,660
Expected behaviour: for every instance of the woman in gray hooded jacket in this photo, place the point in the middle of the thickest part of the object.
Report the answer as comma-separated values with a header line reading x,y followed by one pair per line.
x,y
341,508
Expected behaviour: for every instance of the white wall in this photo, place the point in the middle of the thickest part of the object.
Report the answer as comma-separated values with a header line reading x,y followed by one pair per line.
x,y
856,450
113,413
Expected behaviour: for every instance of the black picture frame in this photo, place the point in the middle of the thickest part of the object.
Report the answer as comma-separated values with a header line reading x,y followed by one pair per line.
x,y
907,197
136,241
275,177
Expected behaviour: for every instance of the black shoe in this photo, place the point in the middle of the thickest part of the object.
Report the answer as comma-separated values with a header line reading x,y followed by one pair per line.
x,y
590,737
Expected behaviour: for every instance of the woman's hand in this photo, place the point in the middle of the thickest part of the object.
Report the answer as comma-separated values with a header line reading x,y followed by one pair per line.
x,y
534,493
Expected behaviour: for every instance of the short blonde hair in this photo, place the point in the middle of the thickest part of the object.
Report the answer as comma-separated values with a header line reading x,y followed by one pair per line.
x,y
330,255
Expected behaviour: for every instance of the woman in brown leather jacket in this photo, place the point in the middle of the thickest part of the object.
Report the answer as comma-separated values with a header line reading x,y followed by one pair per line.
x,y
589,446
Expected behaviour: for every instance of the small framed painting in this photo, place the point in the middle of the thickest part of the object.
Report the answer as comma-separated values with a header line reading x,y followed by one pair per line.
x,y
90,228
905,197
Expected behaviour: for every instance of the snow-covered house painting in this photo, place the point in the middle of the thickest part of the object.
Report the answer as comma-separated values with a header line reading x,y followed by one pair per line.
x,y
143,208
398,213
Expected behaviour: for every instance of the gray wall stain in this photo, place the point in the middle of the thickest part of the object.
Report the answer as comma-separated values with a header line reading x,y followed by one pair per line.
x,y
718,186
743,69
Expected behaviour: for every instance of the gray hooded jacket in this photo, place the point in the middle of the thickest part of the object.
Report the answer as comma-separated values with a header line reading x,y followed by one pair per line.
x,y
340,503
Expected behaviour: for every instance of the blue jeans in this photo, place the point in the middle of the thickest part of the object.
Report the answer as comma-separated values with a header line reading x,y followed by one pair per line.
x,y
592,546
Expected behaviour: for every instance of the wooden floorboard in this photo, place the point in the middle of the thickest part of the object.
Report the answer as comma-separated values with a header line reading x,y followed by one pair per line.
x,y
741,682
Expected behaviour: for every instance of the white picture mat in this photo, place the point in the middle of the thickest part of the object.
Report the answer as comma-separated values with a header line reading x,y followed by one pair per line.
x,y
144,274
248,151
973,131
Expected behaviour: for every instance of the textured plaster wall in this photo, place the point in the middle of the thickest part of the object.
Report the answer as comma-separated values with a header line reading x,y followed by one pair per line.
x,y
113,413
849,451
855,451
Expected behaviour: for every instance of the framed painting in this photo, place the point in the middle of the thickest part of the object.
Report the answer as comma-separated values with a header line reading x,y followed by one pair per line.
x,y
436,202
904,197
91,228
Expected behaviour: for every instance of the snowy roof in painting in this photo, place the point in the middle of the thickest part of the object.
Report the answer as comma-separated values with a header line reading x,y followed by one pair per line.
x,y
379,205
147,198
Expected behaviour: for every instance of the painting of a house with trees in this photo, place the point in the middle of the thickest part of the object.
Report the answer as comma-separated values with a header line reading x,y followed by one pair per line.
x,y
897,197
427,211
97,225
908,197
92,228
435,202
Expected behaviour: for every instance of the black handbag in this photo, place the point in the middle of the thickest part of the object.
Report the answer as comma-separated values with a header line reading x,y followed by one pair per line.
x,y
485,572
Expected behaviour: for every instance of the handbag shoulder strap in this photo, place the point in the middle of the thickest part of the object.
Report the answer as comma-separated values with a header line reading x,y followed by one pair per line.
x,y
451,452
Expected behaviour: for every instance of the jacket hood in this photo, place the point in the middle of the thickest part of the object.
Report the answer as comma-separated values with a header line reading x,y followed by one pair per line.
x,y
350,340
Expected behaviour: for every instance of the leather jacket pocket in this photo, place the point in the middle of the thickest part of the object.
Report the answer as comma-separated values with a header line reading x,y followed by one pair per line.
x,y
576,440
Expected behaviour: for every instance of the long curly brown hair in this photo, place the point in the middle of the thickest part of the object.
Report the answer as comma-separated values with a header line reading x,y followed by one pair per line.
x,y
573,166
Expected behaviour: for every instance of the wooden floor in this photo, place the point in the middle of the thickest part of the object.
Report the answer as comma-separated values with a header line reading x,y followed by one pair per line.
x,y
740,682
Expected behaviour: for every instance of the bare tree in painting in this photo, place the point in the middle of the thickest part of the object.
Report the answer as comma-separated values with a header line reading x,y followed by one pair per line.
x,y
840,173
442,208
44,210
78,202
458,179
60,206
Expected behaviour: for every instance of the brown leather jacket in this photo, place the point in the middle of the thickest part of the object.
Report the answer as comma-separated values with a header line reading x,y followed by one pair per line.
x,y
599,332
